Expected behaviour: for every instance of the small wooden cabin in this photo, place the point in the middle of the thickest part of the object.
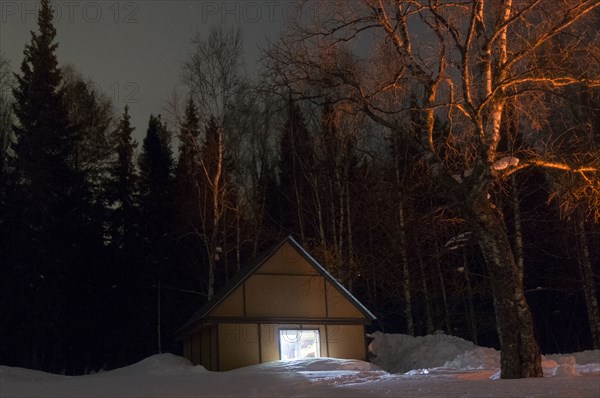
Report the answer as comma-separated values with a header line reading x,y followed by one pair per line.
x,y
284,305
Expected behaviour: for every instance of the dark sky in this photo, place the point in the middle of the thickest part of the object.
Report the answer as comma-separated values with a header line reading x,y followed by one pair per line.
x,y
133,50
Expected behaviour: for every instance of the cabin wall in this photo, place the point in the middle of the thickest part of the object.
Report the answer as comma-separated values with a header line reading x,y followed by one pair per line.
x,y
238,345
234,345
285,296
201,347
347,341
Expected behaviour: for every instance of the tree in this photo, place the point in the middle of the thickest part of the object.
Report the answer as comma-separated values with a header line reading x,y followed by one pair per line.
x,y
464,61
577,197
6,135
295,162
334,174
91,115
5,116
213,77
218,199
120,188
55,242
188,175
156,212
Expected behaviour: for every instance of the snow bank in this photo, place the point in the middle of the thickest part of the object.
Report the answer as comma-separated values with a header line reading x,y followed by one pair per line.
x,y
160,363
579,363
155,365
477,358
450,360
582,358
400,353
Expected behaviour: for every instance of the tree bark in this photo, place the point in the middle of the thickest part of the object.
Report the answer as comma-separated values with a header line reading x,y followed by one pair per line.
x,y
520,355
440,275
471,308
519,247
405,271
426,298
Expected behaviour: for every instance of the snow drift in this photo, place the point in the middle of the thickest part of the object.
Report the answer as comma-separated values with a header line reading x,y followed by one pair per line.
x,y
437,366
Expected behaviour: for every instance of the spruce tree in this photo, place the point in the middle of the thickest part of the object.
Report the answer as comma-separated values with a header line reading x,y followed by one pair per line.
x,y
121,184
188,174
5,119
156,217
53,239
188,161
91,114
123,292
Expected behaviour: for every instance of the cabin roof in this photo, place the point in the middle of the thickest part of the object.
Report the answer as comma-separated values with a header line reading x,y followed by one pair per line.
x,y
247,271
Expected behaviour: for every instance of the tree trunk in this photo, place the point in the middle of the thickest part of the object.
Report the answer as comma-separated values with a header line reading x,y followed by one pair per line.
x,y
211,275
519,248
426,298
520,355
471,308
438,266
405,272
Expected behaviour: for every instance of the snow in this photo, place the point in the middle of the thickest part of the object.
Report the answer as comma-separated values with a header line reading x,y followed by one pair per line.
x,y
500,164
432,366
505,162
399,353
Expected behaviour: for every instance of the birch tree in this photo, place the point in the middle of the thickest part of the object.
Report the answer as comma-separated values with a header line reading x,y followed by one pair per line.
x,y
212,74
462,61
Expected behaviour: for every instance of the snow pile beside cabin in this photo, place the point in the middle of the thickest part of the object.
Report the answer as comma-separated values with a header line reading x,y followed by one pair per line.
x,y
400,353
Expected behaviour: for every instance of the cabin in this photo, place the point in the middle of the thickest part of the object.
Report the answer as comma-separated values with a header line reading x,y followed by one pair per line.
x,y
284,305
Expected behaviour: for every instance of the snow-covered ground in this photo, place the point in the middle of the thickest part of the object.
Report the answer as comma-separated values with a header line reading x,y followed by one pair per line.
x,y
431,366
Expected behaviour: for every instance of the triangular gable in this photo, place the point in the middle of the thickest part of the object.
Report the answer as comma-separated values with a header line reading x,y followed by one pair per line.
x,y
229,301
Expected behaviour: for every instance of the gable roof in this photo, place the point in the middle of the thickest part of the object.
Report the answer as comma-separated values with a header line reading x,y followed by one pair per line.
x,y
247,271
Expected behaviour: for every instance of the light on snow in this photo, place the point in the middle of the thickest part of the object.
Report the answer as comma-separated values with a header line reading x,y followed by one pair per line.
x,y
505,162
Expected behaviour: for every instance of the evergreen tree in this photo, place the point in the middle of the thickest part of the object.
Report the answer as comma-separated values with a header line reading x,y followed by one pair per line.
x,y
91,114
188,164
5,120
121,185
122,290
156,212
5,138
187,223
53,239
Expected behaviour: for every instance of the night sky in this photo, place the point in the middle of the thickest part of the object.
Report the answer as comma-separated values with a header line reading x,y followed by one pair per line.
x,y
133,50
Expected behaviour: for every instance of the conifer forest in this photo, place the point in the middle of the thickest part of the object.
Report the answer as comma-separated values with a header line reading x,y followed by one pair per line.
x,y
446,172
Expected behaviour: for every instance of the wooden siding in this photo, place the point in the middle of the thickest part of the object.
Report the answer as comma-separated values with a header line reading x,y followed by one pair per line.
x,y
285,296
286,260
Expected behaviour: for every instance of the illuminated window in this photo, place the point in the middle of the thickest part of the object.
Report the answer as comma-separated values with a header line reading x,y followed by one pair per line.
x,y
299,343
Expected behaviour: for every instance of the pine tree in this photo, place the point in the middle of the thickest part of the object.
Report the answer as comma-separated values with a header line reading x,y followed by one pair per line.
x,y
53,239
5,135
156,218
121,185
43,133
120,282
188,164
91,114
188,173
5,120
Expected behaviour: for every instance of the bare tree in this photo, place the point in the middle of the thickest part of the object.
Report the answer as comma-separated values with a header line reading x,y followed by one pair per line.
x,y
212,75
462,61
